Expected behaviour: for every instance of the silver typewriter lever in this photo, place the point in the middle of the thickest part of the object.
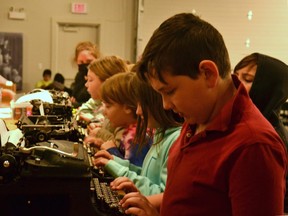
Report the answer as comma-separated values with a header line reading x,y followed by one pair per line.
x,y
31,149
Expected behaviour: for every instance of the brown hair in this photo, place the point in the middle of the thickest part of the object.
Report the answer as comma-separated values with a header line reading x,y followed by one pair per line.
x,y
151,103
117,89
108,66
128,89
86,45
251,59
179,45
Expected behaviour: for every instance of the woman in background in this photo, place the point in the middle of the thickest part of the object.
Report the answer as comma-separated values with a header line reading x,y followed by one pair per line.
x,y
85,53
266,80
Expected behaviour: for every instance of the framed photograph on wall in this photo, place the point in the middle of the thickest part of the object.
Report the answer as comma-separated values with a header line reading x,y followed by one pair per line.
x,y
11,57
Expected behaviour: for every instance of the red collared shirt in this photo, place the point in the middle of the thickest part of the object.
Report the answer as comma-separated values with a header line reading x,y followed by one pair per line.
x,y
235,167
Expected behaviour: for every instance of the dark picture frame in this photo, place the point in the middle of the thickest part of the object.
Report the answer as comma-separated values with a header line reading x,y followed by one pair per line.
x,y
11,57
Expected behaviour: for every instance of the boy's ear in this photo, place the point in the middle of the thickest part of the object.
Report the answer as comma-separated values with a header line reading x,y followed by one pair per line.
x,y
209,69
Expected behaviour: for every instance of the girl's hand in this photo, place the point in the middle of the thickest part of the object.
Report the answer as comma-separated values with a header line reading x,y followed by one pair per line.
x,y
108,144
93,141
93,128
123,183
101,158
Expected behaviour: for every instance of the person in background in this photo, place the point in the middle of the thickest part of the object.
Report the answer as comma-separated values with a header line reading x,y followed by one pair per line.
x,y
47,79
91,112
59,84
150,179
6,71
120,106
16,78
98,71
85,53
266,80
228,159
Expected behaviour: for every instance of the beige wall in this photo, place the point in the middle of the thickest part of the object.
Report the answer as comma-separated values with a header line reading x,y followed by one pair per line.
x,y
267,31
116,18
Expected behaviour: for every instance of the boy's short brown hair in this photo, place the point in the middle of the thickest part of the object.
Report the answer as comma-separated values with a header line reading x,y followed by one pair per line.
x,y
180,44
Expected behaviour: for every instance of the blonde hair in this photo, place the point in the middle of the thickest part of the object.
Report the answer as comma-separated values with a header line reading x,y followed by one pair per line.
x,y
108,66
87,45
131,67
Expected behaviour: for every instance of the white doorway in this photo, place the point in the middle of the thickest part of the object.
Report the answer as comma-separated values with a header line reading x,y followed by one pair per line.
x,y
66,35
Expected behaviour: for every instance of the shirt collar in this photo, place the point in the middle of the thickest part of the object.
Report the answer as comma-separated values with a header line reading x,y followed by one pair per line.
x,y
230,111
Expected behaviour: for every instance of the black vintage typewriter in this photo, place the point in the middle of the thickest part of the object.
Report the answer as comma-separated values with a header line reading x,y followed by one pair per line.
x,y
103,197
54,177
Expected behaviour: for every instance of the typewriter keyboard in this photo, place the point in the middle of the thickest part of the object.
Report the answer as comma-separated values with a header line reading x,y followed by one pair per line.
x,y
103,197
106,198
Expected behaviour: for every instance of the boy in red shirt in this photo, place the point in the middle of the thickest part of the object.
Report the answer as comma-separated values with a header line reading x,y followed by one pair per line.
x,y
228,159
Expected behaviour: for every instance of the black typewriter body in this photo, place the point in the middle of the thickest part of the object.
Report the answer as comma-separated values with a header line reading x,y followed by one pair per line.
x,y
51,180
46,182
52,176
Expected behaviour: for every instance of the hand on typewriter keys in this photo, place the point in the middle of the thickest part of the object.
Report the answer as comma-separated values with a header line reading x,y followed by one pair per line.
x,y
93,128
107,145
137,204
94,141
101,158
123,183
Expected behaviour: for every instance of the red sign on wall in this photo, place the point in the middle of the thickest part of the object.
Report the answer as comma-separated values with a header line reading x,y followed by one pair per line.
x,y
79,8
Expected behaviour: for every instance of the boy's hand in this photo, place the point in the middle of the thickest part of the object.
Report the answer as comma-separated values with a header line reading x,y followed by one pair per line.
x,y
137,204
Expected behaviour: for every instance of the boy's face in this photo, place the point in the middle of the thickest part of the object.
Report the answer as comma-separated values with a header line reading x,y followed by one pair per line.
x,y
188,97
47,77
